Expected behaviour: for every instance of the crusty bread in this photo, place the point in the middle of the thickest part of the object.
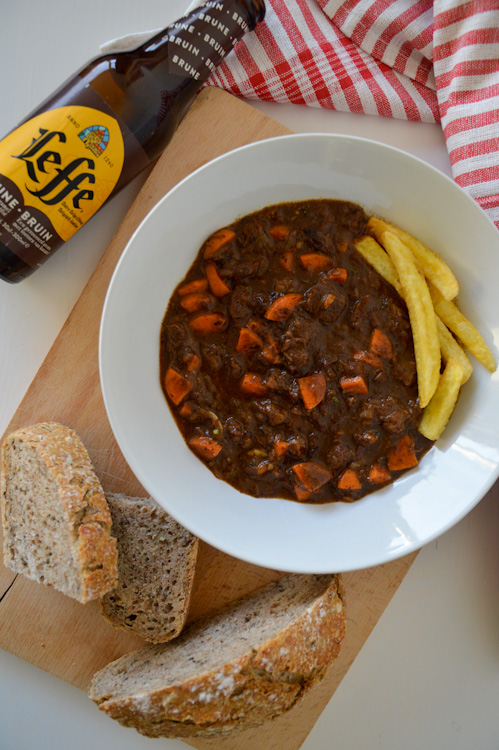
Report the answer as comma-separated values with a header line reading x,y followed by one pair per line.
x,y
156,564
55,517
246,664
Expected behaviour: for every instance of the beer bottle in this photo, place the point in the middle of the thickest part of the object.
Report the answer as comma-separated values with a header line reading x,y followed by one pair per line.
x,y
102,127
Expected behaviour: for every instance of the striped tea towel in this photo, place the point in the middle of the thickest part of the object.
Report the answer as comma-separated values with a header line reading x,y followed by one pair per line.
x,y
411,59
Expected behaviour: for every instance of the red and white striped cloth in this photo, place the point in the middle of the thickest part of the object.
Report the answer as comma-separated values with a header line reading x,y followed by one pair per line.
x,y
411,59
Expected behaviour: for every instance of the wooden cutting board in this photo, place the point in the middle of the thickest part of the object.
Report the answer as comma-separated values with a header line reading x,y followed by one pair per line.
x,y
72,641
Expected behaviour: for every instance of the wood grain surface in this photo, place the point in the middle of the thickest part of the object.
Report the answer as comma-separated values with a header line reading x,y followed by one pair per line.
x,y
72,641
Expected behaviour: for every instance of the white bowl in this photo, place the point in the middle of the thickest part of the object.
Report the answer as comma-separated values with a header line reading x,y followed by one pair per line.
x,y
276,533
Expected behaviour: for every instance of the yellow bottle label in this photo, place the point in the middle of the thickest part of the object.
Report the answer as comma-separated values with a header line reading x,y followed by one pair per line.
x,y
65,163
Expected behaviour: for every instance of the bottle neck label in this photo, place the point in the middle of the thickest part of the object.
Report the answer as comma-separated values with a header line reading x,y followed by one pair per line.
x,y
198,42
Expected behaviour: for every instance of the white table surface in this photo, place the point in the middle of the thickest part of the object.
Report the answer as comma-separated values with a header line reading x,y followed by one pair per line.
x,y
428,676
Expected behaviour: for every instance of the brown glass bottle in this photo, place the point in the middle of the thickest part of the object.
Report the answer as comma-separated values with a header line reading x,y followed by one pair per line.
x,y
102,127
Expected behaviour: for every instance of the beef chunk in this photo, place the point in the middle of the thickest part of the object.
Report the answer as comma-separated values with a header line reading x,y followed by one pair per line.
x,y
388,411
235,429
358,311
240,304
297,345
275,413
325,301
297,446
393,416
339,456
404,369
279,381
213,356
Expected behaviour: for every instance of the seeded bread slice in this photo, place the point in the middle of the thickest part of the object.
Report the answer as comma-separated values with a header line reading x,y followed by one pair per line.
x,y
156,564
55,517
248,663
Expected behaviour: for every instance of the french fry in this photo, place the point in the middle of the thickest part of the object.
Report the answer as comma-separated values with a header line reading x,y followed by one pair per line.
x,y
439,410
421,315
372,251
433,267
450,349
463,328
380,261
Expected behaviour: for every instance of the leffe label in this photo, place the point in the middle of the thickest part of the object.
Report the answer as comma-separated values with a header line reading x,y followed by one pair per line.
x,y
56,171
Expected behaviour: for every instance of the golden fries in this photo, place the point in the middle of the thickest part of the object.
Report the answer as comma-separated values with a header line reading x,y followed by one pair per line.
x,y
439,410
428,287
463,328
421,315
450,349
429,262
379,260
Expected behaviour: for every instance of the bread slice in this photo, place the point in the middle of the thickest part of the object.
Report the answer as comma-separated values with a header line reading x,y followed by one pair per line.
x,y
156,564
246,664
55,517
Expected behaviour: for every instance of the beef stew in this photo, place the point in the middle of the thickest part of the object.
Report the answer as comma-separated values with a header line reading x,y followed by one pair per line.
x,y
288,362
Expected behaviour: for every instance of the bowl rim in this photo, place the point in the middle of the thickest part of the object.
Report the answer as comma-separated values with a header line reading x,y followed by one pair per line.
x,y
268,143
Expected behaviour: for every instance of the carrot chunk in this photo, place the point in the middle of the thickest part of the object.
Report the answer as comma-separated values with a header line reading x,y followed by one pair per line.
x,y
196,301
279,231
315,261
270,347
301,493
340,275
260,469
218,240
199,285
207,323
206,447
280,447
270,351
194,363
403,455
311,475
248,341
349,480
254,385
355,384
282,307
369,358
378,475
177,386
287,260
381,344
328,300
186,410
312,389
217,284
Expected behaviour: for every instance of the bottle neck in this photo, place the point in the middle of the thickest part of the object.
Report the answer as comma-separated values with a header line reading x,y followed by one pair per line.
x,y
198,42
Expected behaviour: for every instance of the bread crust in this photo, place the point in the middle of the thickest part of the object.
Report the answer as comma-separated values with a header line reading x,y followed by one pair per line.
x,y
259,685
66,462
